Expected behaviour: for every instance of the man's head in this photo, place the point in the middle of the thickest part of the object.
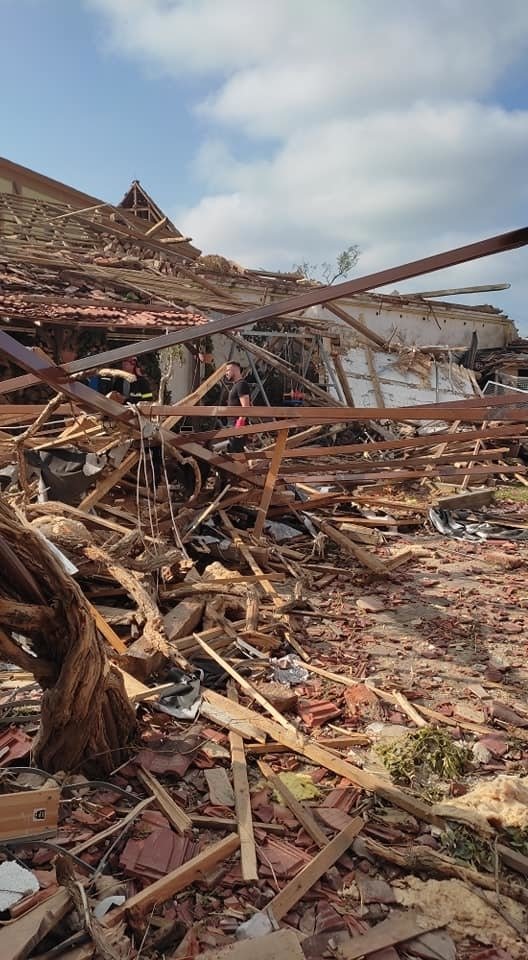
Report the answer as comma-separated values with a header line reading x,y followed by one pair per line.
x,y
233,371
130,365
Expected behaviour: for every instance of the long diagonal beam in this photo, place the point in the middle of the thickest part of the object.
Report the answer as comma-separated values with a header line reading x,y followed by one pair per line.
x,y
57,378
309,298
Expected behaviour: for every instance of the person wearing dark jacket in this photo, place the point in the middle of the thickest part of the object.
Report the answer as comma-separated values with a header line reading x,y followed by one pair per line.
x,y
129,382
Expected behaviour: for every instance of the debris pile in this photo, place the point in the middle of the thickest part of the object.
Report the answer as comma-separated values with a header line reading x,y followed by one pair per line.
x,y
267,703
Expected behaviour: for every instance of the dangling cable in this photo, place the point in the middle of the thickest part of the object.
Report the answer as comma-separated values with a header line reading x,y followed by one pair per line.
x,y
176,532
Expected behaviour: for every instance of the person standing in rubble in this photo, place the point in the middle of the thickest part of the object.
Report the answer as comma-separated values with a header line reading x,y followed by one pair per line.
x,y
239,396
127,384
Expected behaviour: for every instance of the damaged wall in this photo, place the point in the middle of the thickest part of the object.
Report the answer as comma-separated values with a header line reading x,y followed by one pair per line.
x,y
379,379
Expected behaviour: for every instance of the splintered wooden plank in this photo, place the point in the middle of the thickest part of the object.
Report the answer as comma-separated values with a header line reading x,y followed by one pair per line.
x,y
271,480
248,855
295,890
364,556
300,812
178,879
396,929
267,586
106,483
174,813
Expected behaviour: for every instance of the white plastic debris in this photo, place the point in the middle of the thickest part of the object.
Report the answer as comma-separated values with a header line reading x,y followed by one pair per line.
x,y
257,926
15,883
102,908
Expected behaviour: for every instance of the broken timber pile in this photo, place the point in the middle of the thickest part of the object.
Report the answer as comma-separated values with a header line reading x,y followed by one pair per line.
x,y
219,749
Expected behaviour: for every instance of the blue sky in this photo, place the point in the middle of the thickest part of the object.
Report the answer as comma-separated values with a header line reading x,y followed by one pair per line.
x,y
85,115
285,131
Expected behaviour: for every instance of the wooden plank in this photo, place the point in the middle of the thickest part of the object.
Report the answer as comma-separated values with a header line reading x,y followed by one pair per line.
x,y
430,466
106,630
374,379
153,693
222,714
134,688
331,743
29,813
244,684
343,379
476,450
460,501
300,812
116,827
20,937
271,480
385,475
474,408
321,757
178,879
266,585
388,933
310,420
409,710
172,810
106,483
280,945
364,556
334,677
441,448
248,855
284,901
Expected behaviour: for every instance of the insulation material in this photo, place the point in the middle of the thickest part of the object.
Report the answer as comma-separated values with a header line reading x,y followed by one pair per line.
x,y
300,785
502,802
15,883
465,913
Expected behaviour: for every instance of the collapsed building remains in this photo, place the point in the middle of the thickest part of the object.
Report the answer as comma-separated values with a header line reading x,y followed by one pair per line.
x,y
248,706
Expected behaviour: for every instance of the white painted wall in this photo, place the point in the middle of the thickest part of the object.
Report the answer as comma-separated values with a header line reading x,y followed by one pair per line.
x,y
431,323
179,383
425,325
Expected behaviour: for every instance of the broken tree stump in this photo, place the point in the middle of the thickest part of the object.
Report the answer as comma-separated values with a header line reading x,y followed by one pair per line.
x,y
86,720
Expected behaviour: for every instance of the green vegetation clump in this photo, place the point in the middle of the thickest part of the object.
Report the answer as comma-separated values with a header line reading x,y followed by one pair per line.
x,y
422,753
465,844
517,492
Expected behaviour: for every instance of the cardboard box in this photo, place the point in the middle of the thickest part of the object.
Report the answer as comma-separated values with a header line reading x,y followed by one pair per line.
x,y
30,813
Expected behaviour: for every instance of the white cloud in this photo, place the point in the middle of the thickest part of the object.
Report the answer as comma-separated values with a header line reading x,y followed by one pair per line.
x,y
373,122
